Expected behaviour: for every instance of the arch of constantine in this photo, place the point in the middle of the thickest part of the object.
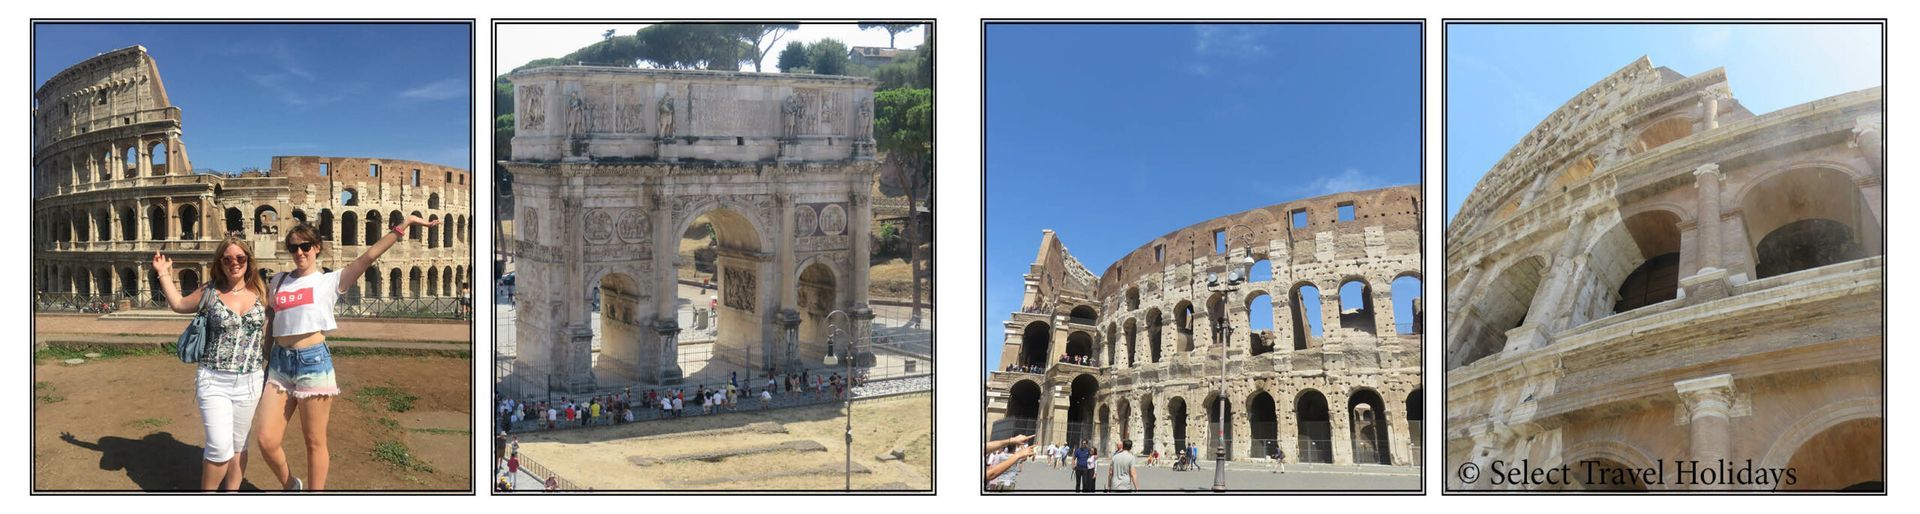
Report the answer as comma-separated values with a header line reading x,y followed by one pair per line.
x,y
1655,274
113,184
1133,353
613,165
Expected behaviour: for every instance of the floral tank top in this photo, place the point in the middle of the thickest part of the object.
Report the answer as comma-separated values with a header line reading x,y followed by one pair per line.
x,y
234,339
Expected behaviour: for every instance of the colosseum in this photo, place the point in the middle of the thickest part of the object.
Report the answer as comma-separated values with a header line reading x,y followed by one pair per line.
x,y
113,184
1142,352
1660,290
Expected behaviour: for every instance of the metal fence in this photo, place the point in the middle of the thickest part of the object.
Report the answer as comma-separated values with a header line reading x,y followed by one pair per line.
x,y
348,307
1214,440
1316,442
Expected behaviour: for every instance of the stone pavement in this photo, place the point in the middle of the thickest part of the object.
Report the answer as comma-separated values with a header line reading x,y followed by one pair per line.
x,y
1241,477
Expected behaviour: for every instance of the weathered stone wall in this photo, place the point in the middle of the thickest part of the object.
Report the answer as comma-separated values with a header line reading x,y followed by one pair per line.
x,y
1153,341
614,165
1552,356
98,221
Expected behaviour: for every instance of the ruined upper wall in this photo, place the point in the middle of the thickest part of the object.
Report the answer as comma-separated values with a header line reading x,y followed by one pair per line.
x,y
590,112
114,89
1055,272
1393,210
1598,126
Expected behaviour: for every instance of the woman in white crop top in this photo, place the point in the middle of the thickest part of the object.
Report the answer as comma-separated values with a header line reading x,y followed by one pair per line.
x,y
299,366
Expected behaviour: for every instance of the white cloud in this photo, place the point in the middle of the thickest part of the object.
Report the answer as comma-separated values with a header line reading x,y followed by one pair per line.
x,y
1350,179
445,89
1231,40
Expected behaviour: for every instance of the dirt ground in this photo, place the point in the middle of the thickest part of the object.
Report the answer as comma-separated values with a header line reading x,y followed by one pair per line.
x,y
702,453
129,423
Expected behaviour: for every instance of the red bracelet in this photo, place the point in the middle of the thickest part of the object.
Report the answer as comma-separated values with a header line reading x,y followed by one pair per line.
x,y
400,231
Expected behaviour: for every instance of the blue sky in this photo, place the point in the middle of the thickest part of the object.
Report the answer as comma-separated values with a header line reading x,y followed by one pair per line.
x,y
1158,127
248,92
1502,80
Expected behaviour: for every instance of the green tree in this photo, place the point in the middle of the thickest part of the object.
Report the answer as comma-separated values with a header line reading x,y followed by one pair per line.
x,y
893,29
794,58
909,69
828,56
503,137
760,38
903,131
703,46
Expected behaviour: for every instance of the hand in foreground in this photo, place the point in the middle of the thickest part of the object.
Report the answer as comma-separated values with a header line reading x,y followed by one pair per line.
x,y
162,265
417,220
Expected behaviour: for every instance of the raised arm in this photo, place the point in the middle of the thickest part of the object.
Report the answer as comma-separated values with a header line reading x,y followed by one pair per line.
x,y
351,274
163,267
995,446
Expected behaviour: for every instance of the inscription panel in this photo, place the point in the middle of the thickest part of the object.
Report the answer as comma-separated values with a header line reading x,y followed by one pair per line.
x,y
720,109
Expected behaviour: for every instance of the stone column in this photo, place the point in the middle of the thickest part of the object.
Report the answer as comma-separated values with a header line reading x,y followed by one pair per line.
x,y
789,290
1710,109
146,158
859,224
1329,312
790,337
1383,309
1868,140
669,366
861,347
1399,438
1711,280
1342,427
1709,404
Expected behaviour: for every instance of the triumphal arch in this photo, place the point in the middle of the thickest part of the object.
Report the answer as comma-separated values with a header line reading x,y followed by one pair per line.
x,y
613,165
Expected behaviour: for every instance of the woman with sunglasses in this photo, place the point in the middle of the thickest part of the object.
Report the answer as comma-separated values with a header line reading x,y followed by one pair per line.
x,y
227,382
300,367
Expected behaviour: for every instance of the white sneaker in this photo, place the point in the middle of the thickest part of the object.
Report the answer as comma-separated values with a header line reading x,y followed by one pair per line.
x,y
296,485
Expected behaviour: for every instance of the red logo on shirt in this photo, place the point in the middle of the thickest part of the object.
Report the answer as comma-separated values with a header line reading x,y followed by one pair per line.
x,y
289,299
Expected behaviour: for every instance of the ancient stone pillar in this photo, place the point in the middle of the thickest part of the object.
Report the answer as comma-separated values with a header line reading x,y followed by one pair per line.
x,y
1383,308
1329,312
789,289
1709,404
146,159
1399,435
790,336
1342,427
1710,109
861,347
1706,180
1867,139
668,329
859,224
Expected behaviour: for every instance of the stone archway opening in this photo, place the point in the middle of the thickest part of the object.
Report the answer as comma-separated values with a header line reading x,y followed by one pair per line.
x,y
1409,310
1104,431
1503,308
1807,218
1219,426
1847,456
1023,411
1183,326
1260,331
1315,426
618,327
156,223
818,297
1154,328
722,248
1264,423
1177,418
1356,305
1367,419
1035,342
1416,417
1305,312
1148,420
1080,347
1081,400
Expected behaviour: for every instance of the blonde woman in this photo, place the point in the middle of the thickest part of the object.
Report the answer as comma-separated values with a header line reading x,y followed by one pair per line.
x,y
299,365
227,381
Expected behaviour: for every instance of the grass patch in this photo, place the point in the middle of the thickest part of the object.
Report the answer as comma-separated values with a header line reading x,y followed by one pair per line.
x,y
393,398
443,431
149,423
390,423
396,454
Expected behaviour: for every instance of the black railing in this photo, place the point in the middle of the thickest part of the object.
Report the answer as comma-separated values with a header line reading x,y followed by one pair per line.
x,y
348,307
1316,443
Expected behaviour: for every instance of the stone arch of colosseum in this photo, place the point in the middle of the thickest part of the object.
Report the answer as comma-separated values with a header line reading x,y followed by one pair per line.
x,y
1591,271
1158,356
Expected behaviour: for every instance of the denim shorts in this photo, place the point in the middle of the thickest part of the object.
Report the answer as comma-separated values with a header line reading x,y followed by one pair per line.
x,y
302,373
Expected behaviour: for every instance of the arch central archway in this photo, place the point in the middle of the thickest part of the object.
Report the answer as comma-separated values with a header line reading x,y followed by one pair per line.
x,y
723,247
1315,427
1081,402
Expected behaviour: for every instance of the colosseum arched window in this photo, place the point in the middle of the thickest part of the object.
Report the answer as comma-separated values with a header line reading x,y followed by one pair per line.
x,y
1806,218
1305,315
156,222
1661,133
189,222
350,197
1183,326
236,224
266,220
1409,312
1154,326
350,228
1260,323
433,201
413,231
1356,305
157,154
1503,307
129,224
433,232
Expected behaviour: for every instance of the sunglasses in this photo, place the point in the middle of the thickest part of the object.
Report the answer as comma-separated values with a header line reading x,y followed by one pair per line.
x,y
234,259
300,247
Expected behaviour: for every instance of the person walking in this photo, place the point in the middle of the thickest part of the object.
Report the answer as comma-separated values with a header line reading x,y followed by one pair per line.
x,y
1120,474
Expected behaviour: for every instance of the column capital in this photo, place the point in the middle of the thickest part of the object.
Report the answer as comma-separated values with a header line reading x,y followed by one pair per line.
x,y
1867,123
1711,168
1707,396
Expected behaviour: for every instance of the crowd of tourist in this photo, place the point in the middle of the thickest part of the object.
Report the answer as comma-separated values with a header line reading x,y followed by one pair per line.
x,y
516,415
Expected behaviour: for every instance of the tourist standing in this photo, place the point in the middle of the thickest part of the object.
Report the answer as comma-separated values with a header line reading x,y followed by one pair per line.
x,y
227,379
300,367
1120,476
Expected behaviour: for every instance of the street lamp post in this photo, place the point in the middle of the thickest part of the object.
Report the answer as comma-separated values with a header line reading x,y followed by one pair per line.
x,y
1222,330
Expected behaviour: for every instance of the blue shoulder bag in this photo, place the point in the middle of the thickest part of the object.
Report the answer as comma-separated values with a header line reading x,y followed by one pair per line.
x,y
193,342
